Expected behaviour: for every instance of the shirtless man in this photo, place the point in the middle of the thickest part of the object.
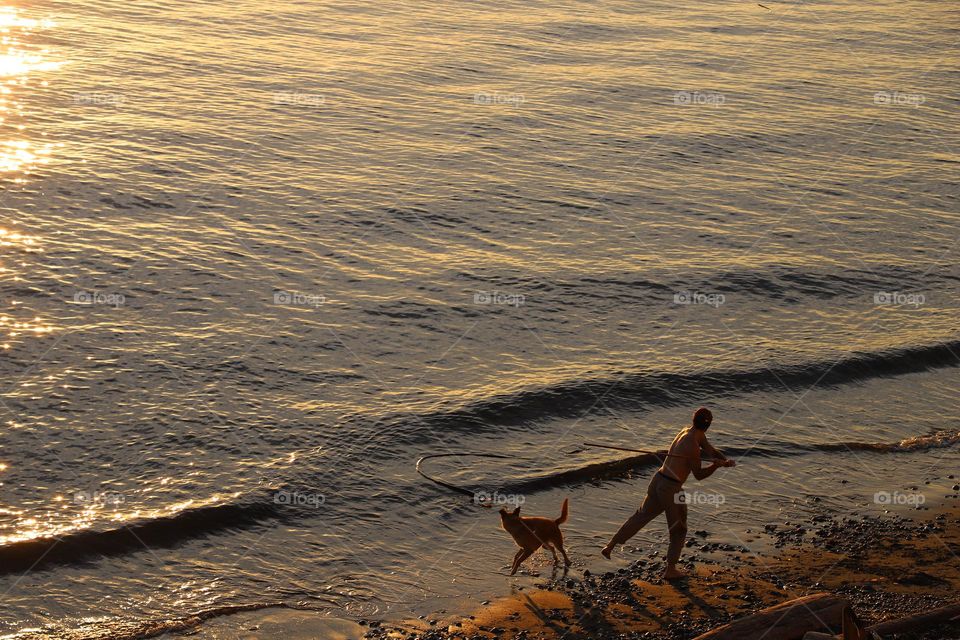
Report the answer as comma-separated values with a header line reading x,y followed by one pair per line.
x,y
665,493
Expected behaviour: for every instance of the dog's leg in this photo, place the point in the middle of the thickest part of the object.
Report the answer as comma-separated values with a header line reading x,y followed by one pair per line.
x,y
516,561
523,555
553,550
566,560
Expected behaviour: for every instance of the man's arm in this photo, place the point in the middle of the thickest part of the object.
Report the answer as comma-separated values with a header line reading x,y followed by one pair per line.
x,y
714,453
696,468
703,473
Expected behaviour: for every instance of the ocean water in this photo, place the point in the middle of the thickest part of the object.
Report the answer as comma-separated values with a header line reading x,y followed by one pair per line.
x,y
259,258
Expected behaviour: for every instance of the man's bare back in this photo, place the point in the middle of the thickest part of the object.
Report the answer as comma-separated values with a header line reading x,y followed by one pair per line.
x,y
686,445
685,454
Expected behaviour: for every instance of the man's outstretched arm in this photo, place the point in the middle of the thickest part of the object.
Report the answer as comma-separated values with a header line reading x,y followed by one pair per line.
x,y
702,473
699,472
715,454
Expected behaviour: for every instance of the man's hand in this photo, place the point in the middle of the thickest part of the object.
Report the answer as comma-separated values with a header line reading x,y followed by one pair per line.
x,y
727,463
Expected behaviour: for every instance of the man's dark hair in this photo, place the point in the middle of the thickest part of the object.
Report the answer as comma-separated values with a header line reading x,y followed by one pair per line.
x,y
702,418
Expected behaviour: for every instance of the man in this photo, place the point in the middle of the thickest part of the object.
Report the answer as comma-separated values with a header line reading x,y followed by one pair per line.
x,y
665,493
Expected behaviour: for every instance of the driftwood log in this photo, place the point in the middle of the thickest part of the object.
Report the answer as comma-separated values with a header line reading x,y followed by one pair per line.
x,y
827,614
918,622
787,621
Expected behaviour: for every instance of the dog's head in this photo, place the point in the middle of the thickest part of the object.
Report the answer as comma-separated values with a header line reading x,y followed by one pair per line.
x,y
506,516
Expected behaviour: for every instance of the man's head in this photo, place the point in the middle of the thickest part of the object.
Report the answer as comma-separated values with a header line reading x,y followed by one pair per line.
x,y
702,418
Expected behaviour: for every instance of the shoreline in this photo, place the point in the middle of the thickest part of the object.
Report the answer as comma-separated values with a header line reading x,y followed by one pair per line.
x,y
888,566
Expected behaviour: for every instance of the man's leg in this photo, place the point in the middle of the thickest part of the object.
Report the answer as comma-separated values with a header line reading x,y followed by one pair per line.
x,y
649,510
677,524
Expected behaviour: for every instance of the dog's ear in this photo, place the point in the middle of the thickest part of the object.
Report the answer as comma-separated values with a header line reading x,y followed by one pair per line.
x,y
503,511
516,511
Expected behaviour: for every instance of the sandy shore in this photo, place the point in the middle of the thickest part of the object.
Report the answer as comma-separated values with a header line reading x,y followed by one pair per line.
x,y
888,567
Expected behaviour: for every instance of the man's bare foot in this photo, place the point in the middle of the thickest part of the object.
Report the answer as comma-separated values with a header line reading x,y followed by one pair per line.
x,y
605,552
672,573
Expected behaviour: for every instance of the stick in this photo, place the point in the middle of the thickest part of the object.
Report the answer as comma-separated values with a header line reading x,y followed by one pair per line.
x,y
656,453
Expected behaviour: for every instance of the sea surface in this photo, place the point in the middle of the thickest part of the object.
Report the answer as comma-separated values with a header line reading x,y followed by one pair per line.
x,y
256,259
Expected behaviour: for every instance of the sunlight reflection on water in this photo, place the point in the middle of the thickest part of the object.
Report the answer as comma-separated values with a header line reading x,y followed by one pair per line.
x,y
18,61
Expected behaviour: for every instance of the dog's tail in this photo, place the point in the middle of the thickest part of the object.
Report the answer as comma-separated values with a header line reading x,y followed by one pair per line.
x,y
563,512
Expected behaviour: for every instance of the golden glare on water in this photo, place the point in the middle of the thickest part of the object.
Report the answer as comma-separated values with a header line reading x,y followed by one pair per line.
x,y
94,507
19,240
18,154
16,64
14,327
10,17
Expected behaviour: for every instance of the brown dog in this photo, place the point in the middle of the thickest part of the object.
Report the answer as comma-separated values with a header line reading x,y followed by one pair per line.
x,y
533,532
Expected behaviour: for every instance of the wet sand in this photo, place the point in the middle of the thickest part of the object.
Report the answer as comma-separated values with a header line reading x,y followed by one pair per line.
x,y
888,567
